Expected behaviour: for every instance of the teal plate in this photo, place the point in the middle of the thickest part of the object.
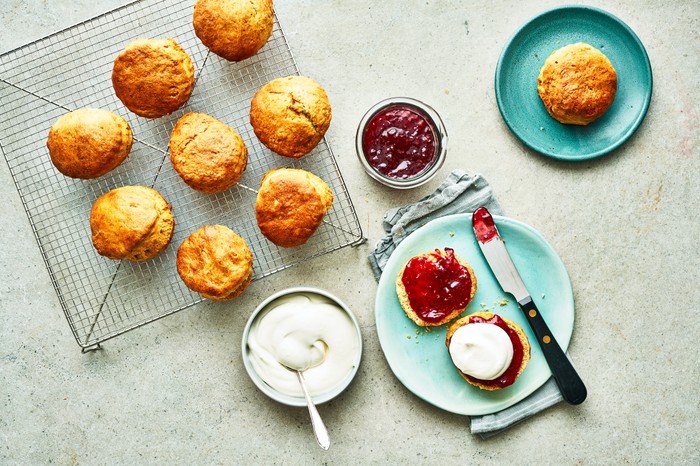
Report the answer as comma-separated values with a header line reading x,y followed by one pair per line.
x,y
520,64
419,358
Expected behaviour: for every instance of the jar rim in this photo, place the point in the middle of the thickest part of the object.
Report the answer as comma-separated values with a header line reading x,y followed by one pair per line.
x,y
437,126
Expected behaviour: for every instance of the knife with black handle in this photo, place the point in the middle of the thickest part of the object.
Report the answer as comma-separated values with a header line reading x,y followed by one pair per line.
x,y
494,250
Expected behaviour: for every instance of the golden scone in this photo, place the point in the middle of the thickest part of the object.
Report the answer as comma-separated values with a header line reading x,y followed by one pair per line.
x,y
153,77
215,262
209,155
89,142
520,342
132,222
290,205
577,84
290,115
233,29
435,287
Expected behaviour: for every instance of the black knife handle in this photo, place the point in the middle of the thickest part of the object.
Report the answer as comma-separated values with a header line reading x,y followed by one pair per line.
x,y
570,384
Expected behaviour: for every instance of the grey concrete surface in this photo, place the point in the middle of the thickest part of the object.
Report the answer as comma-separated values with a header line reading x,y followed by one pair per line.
x,y
626,226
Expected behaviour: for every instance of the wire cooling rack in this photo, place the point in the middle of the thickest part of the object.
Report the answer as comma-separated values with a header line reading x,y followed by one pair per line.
x,y
71,69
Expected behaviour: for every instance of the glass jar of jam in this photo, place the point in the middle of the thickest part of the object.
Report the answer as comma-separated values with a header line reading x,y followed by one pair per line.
x,y
401,142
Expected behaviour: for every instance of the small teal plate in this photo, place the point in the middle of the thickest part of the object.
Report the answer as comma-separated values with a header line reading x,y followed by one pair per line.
x,y
419,358
520,64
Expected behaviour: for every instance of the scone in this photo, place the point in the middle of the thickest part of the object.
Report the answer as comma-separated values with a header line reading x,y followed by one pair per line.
x,y
89,142
435,287
209,155
153,77
132,222
290,205
290,115
215,262
577,84
233,29
489,351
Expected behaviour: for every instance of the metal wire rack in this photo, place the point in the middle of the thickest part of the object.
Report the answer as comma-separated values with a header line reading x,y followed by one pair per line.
x,y
71,69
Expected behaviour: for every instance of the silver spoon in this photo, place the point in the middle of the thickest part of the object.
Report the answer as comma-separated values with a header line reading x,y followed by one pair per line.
x,y
320,431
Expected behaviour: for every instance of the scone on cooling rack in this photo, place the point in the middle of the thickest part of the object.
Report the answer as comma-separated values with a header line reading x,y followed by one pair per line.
x,y
215,262
488,350
89,142
577,84
435,287
290,115
209,155
233,29
291,205
153,77
132,222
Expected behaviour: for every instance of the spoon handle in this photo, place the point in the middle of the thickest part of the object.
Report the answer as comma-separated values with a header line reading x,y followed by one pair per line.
x,y
316,422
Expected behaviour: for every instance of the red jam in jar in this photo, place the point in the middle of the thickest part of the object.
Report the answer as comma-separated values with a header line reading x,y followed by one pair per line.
x,y
436,285
508,377
400,142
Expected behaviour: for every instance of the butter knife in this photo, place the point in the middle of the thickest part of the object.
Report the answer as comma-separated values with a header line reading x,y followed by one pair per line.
x,y
494,250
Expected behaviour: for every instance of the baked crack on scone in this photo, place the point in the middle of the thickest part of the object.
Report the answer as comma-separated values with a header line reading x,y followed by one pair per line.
x,y
290,115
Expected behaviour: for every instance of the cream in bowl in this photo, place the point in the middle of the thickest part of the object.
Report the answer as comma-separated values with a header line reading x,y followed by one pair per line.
x,y
305,329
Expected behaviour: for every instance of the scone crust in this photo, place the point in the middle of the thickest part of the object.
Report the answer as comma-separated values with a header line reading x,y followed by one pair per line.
x,y
132,222
577,84
488,315
89,142
233,29
290,205
153,77
209,155
290,115
406,304
215,262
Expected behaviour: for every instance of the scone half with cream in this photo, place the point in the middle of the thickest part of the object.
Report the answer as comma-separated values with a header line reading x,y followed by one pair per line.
x,y
489,351
435,287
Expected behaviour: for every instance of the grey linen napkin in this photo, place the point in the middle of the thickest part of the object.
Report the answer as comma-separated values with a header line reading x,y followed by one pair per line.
x,y
459,193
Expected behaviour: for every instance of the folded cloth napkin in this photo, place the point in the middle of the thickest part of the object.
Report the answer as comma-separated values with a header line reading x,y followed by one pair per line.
x,y
459,193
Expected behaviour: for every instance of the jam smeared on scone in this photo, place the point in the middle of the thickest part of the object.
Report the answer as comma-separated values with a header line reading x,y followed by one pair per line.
x,y
479,350
435,287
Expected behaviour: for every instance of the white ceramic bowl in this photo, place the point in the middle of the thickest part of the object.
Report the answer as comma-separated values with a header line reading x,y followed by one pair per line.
x,y
276,394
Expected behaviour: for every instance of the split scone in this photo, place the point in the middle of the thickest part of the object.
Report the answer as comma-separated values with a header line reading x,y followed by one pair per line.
x,y
489,351
435,287
577,84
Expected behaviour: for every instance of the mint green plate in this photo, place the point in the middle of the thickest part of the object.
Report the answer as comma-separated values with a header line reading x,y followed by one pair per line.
x,y
420,360
520,64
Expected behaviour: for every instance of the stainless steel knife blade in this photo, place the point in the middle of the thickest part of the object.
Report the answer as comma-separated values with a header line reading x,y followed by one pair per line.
x,y
496,254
